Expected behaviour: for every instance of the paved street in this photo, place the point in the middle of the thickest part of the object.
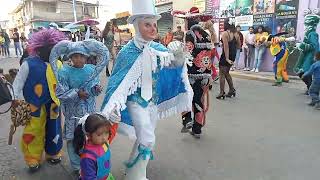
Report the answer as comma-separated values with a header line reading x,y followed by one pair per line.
x,y
265,133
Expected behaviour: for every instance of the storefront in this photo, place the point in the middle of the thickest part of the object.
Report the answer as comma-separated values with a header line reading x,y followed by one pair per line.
x,y
126,31
164,8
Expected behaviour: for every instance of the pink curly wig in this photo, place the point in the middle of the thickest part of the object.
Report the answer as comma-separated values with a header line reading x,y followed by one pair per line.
x,y
46,38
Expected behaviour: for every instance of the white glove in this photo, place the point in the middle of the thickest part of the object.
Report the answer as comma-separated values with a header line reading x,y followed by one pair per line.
x,y
298,46
114,117
176,47
290,39
189,60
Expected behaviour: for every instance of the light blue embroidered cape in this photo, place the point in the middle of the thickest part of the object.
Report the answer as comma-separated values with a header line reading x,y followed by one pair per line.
x,y
172,89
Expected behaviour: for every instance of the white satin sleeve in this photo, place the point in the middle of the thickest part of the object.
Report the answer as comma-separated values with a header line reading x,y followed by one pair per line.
x,y
20,80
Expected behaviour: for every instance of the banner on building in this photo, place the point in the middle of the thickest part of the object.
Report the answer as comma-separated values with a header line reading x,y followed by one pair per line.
x,y
265,20
287,5
201,4
221,23
264,6
161,2
212,7
286,16
286,25
244,21
244,7
227,8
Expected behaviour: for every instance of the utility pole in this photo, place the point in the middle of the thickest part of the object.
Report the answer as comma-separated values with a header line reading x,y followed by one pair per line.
x,y
74,10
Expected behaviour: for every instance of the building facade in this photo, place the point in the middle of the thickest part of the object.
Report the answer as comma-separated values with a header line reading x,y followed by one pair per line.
x,y
36,13
164,8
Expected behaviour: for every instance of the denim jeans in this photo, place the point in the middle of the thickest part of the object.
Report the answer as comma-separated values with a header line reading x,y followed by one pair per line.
x,y
236,64
314,90
73,156
17,47
259,52
6,47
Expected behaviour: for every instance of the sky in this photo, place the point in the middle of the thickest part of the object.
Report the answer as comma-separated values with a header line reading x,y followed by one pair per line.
x,y
9,6
113,6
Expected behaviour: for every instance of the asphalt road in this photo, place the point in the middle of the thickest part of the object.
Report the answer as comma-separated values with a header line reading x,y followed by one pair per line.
x,y
265,133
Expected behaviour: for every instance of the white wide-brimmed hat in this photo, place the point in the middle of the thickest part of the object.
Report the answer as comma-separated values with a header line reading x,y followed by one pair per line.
x,y
143,8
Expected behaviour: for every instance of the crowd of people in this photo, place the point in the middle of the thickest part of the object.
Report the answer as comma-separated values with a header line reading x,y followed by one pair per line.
x,y
151,78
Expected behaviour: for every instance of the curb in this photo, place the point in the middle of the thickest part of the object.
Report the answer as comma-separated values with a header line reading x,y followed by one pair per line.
x,y
258,78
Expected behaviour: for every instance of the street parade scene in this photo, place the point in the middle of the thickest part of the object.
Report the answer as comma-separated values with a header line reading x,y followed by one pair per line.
x,y
160,90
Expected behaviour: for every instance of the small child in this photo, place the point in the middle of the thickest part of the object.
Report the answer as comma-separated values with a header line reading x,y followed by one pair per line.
x,y
91,141
315,86
77,98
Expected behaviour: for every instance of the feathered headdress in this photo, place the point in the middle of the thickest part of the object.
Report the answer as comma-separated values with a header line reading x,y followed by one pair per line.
x,y
44,38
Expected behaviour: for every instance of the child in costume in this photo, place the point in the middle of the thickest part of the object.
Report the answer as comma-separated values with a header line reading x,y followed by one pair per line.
x,y
315,85
92,139
77,87
35,83
149,82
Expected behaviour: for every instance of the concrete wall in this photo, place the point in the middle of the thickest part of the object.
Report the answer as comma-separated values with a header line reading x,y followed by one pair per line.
x,y
60,11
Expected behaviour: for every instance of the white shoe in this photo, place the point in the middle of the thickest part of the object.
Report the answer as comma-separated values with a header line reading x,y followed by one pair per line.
x,y
139,170
253,70
257,70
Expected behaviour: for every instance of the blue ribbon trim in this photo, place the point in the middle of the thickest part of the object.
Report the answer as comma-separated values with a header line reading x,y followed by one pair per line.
x,y
144,152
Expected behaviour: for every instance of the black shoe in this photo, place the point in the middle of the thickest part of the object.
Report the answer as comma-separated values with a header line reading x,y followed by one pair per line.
x,y
307,93
286,81
54,161
230,94
221,96
197,136
312,103
34,168
276,84
107,73
184,129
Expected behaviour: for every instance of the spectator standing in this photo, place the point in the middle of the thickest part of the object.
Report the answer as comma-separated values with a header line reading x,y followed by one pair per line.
x,y
108,38
16,41
23,40
6,43
260,48
168,38
2,41
179,34
239,50
249,49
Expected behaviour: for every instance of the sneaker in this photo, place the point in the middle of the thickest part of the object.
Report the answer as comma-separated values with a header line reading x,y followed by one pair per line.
x,y
34,168
312,103
189,125
184,129
197,136
253,70
256,71
232,69
277,84
54,161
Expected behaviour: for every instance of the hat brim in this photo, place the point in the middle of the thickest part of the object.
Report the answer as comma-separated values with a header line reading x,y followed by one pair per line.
x,y
77,52
199,16
133,17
